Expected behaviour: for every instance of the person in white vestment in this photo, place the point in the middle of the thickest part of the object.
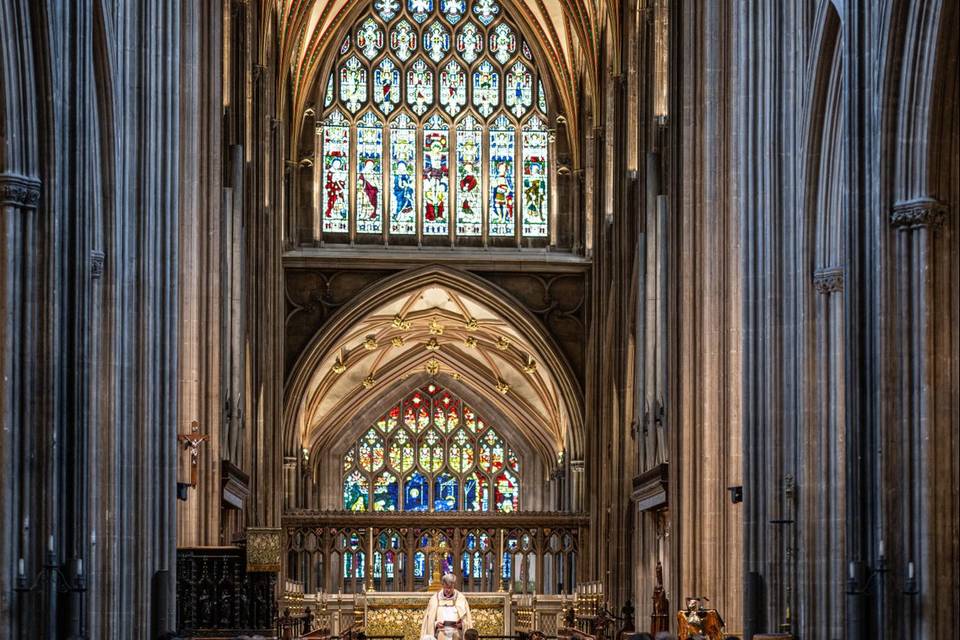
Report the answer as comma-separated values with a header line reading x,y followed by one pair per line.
x,y
448,614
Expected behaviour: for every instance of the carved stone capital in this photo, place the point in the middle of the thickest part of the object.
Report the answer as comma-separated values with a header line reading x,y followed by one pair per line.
x,y
19,191
96,264
828,280
917,213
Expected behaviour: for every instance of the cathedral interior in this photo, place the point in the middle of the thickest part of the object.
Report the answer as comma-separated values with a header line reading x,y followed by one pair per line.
x,y
635,316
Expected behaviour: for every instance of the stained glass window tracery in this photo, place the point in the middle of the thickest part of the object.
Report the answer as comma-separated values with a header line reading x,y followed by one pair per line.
x,y
431,452
434,125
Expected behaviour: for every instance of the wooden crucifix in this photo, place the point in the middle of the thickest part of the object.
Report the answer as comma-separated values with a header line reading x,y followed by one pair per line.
x,y
191,442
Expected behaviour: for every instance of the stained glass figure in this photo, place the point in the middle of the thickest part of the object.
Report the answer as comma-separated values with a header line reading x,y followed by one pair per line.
x,y
503,43
370,451
419,87
461,452
328,96
436,41
446,493
502,186
486,10
419,564
470,418
385,491
476,492
369,174
513,462
541,98
453,88
436,178
453,10
420,9
534,167
401,452
356,493
431,451
386,86
387,9
486,88
336,173
526,51
469,43
519,89
469,201
506,496
403,166
388,422
416,492
353,84
491,452
370,38
403,40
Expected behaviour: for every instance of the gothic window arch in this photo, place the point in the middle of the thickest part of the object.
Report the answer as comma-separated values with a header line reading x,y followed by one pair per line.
x,y
431,452
434,130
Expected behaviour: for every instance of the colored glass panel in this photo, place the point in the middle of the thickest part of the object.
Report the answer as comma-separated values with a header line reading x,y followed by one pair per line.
x,y
502,181
369,174
469,43
491,452
353,84
430,451
476,492
419,87
453,88
436,41
446,493
336,173
486,10
370,38
388,422
420,9
518,94
534,169
356,493
503,43
387,9
469,200
506,494
370,451
436,177
328,96
386,86
385,490
461,452
486,88
416,492
453,10
403,40
541,98
419,564
526,51
513,461
401,452
403,159
348,459
345,45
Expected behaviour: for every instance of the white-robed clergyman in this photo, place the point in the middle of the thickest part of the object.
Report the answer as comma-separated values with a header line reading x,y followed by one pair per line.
x,y
448,614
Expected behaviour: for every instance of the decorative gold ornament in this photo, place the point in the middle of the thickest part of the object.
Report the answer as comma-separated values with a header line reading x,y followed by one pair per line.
x,y
503,343
370,343
470,341
433,366
263,549
338,366
433,345
401,323
457,376
502,387
368,381
531,365
472,324
397,341
436,328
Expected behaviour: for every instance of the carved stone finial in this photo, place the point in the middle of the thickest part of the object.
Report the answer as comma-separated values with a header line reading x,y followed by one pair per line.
x,y
829,280
19,191
916,213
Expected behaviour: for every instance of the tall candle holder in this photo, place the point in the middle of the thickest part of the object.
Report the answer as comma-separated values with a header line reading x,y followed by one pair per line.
x,y
56,582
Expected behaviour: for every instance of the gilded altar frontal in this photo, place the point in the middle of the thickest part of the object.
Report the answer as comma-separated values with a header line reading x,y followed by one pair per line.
x,y
479,319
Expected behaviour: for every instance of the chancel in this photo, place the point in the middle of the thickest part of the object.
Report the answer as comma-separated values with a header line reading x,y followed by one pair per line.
x,y
576,319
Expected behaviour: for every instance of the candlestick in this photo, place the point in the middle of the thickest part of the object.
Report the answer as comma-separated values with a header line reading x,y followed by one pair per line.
x,y
20,567
50,543
853,570
909,571
79,566
881,549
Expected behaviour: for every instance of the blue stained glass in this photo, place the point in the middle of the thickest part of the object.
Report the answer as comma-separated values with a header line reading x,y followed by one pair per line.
x,y
387,8
436,177
385,490
420,9
436,41
465,564
369,175
502,187
353,559
446,493
507,566
453,10
403,167
519,89
356,493
486,10
476,492
416,492
377,564
419,564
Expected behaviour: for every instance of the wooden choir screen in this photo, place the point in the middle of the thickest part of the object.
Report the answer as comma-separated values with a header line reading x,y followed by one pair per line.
x,y
344,552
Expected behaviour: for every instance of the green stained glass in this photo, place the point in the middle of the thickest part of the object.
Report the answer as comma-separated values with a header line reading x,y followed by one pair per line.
x,y
401,452
356,494
431,451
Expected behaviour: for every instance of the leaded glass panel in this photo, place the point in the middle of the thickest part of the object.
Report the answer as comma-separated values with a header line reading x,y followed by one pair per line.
x,y
420,87
453,88
534,178
403,166
519,89
469,43
336,173
469,200
486,88
386,86
436,41
436,177
369,175
502,181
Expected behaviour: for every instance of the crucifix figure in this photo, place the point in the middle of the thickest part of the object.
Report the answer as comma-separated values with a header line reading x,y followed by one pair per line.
x,y
439,553
192,441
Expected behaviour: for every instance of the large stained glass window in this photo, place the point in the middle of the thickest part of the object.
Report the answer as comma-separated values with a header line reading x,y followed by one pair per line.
x,y
431,452
434,125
